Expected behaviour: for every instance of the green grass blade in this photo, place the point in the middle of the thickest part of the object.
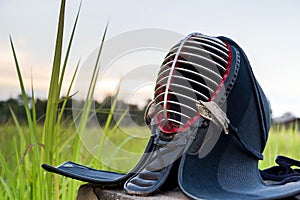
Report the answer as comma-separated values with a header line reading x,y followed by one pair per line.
x,y
112,110
96,68
108,120
24,96
53,95
33,110
67,95
116,126
68,49
89,98
7,188
10,182
16,122
113,155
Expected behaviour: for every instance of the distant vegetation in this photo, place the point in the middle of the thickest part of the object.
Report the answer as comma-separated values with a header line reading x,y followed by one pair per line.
x,y
135,114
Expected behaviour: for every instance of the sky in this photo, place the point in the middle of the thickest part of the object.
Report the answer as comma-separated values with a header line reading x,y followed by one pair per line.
x,y
268,31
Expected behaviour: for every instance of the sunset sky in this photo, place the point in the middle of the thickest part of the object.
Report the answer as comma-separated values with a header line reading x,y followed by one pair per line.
x,y
268,31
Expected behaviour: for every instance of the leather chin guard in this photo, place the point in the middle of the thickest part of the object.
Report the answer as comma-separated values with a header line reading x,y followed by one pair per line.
x,y
160,170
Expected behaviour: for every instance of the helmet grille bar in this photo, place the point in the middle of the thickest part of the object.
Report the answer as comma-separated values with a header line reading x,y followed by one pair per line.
x,y
214,41
202,57
203,51
165,116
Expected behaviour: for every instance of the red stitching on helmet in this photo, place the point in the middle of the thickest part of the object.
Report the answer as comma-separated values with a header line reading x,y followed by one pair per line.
x,y
225,75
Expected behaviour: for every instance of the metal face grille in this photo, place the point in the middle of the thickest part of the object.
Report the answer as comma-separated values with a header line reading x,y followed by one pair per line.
x,y
193,70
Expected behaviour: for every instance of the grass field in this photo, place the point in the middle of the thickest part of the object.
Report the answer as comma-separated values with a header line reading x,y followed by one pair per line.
x,y
281,142
20,167
18,163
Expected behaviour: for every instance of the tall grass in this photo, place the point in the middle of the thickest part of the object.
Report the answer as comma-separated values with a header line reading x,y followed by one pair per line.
x,y
55,141
28,181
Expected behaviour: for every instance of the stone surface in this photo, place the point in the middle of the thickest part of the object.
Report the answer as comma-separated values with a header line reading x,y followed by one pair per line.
x,y
86,192
91,192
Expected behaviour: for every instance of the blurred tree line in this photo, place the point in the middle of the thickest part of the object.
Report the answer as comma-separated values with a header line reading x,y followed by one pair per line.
x,y
133,113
